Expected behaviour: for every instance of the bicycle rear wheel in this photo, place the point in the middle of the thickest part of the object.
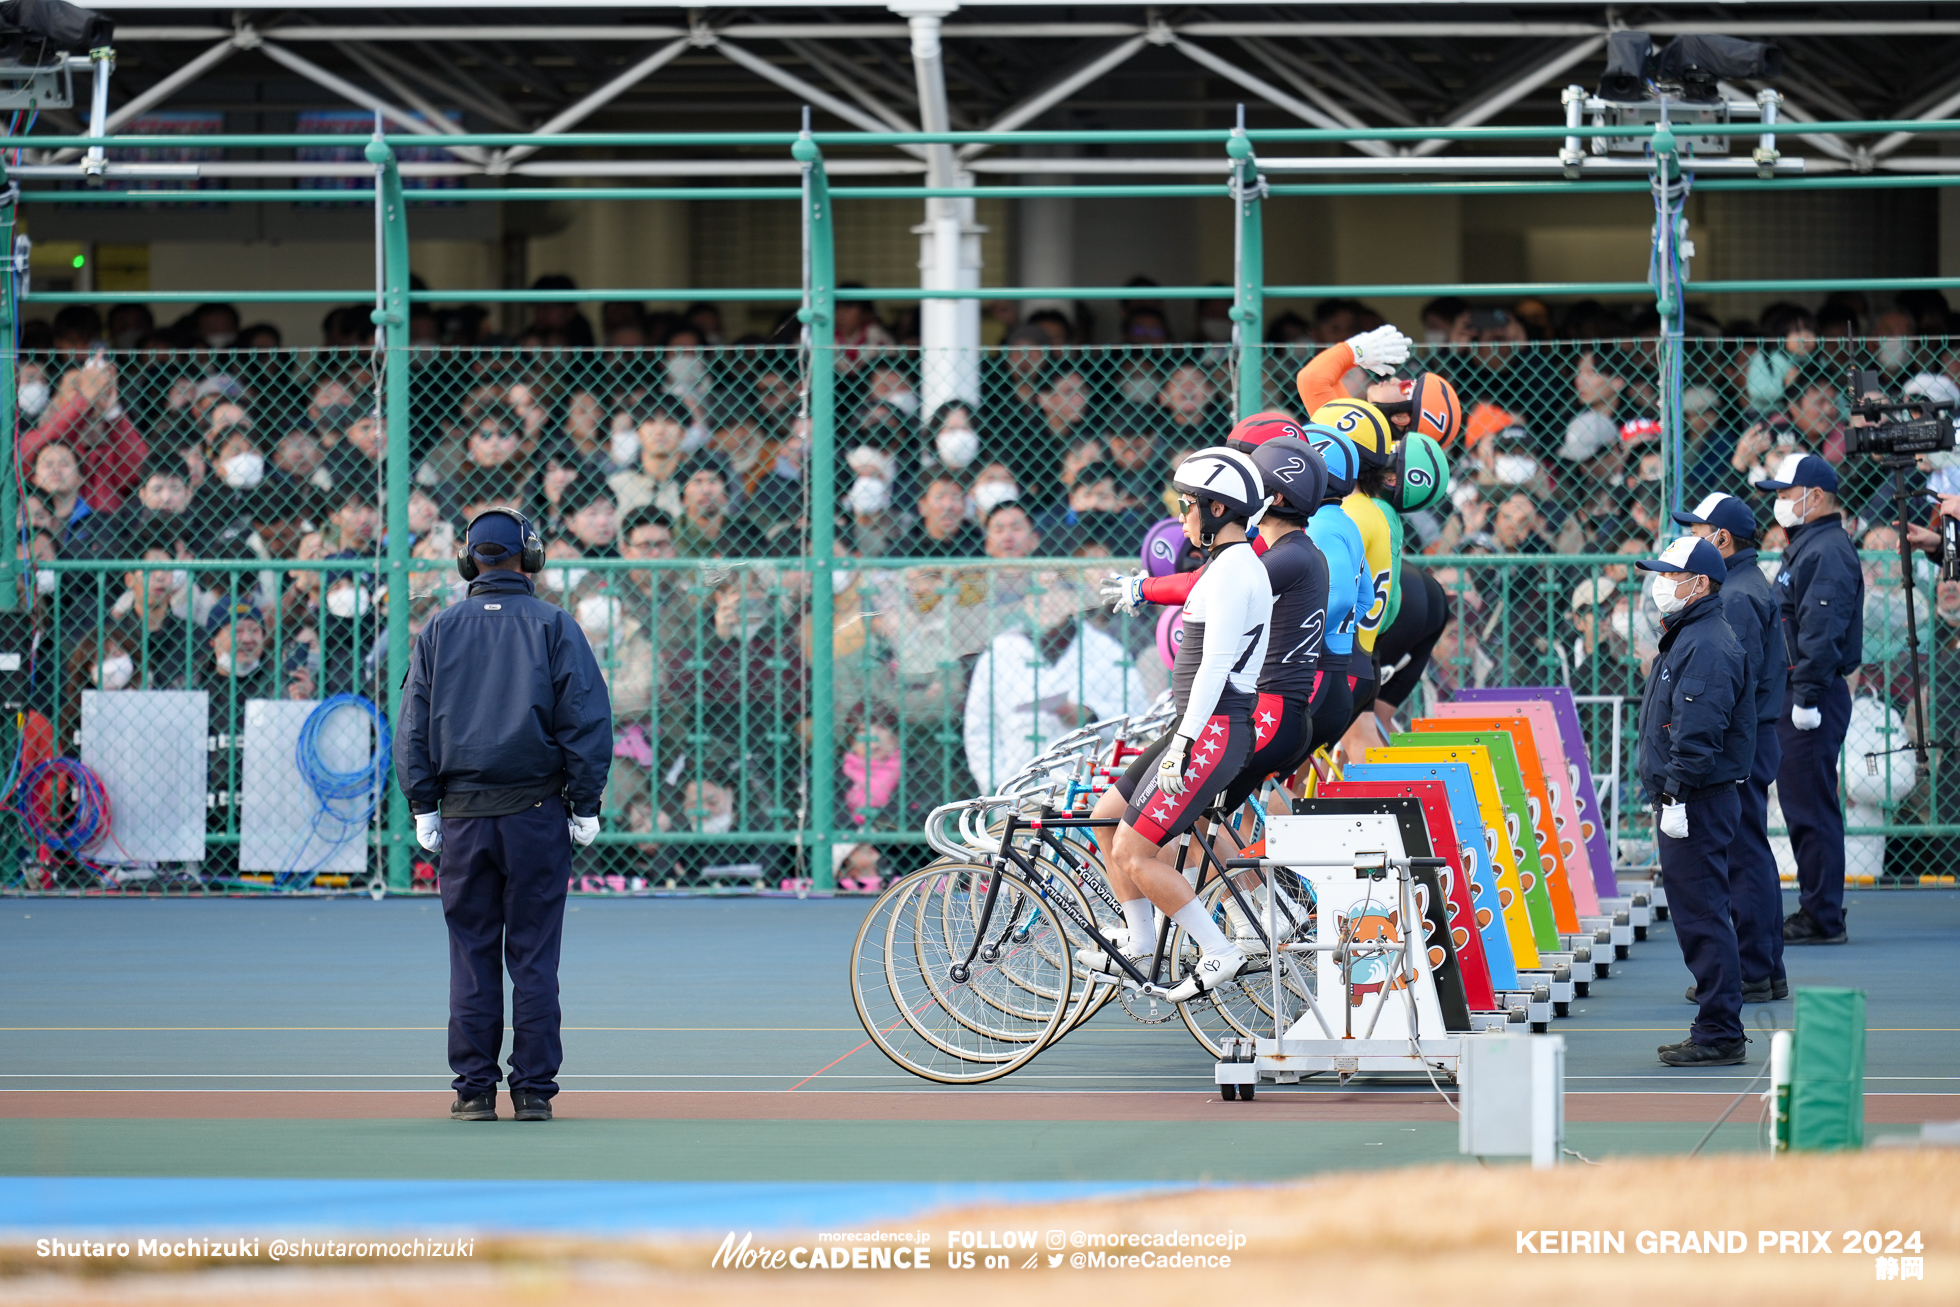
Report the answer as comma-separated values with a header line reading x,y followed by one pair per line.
x,y
1243,1009
934,1013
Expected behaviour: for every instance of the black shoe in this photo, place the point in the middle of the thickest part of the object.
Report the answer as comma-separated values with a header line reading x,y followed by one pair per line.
x,y
1779,989
527,1106
479,1107
1800,928
1755,991
1689,1053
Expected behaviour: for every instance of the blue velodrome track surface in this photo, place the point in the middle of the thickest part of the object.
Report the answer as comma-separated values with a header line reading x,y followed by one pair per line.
x,y
239,1064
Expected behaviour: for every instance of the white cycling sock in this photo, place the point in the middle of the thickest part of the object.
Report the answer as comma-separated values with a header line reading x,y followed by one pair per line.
x,y
1141,916
1199,926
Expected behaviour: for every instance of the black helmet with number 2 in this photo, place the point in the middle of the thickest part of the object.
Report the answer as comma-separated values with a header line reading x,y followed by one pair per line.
x,y
1294,473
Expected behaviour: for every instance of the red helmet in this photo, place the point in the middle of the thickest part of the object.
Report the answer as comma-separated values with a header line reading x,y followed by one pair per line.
x,y
1256,430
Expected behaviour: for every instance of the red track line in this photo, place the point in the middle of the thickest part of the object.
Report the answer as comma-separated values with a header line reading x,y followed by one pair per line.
x,y
860,1048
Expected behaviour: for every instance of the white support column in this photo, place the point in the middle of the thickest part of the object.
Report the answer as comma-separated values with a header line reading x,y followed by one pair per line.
x,y
949,238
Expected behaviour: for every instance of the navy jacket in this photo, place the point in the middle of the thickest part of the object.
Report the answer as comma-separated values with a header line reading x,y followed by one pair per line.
x,y
503,695
1750,610
1693,735
1820,597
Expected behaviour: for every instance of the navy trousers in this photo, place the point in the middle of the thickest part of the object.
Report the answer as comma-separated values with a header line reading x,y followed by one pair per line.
x,y
1697,872
503,896
1807,786
1755,892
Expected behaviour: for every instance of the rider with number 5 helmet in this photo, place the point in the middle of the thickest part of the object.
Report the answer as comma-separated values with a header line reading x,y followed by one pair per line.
x,y
1348,588
1214,682
1374,440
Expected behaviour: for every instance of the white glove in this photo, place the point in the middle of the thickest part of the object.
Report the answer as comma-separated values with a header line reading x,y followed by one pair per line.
x,y
1124,593
428,831
1674,821
1381,351
1806,719
1170,766
584,830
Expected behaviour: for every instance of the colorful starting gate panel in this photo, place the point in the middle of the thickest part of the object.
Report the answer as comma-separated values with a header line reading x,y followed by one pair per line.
x,y
1538,799
1592,821
1517,817
1466,943
1519,928
1473,851
1558,785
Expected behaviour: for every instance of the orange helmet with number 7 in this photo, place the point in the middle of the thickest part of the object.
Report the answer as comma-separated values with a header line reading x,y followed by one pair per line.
x,y
1429,405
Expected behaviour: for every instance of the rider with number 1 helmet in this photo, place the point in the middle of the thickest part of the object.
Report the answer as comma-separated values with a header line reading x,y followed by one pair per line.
x,y
1348,588
1214,683
1292,683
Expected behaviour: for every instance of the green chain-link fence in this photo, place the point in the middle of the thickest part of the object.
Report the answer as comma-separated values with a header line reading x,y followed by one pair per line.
x,y
208,535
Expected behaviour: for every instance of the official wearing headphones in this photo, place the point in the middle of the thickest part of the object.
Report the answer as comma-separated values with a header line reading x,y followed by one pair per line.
x,y
504,741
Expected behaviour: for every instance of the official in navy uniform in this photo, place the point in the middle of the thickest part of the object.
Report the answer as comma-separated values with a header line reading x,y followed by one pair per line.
x,y
1755,891
1697,736
505,735
1820,600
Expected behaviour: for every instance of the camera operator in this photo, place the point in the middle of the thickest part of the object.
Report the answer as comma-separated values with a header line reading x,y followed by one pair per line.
x,y
1820,598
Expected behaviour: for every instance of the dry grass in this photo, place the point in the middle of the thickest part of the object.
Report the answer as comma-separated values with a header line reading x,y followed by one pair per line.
x,y
1427,1235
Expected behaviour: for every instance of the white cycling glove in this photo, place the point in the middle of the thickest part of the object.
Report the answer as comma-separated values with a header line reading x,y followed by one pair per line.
x,y
1124,593
1381,351
584,830
1170,766
1806,719
428,831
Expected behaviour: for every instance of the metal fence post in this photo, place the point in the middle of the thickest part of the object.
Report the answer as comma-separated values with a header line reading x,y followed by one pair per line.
x,y
819,319
9,367
392,317
1670,277
1249,273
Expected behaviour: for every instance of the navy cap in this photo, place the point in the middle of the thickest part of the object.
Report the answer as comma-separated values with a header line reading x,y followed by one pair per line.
x,y
500,530
1802,470
225,614
1724,513
1689,554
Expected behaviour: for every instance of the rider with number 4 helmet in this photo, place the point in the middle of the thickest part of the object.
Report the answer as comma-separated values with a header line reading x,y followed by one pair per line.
x,y
1420,477
1292,683
1348,587
1214,683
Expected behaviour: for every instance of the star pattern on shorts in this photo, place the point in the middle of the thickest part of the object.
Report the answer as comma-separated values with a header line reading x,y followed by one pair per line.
x,y
1268,719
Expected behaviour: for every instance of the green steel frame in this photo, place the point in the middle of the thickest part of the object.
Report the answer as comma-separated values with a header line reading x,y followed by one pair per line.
x,y
1244,187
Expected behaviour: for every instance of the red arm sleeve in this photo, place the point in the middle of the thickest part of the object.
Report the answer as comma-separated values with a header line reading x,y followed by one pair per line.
x,y
1176,588
58,425
1320,380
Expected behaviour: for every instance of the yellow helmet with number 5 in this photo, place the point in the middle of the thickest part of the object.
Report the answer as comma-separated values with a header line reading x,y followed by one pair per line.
x,y
1367,426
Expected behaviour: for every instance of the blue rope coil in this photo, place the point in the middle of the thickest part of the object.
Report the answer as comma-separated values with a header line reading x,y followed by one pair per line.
x,y
91,820
332,789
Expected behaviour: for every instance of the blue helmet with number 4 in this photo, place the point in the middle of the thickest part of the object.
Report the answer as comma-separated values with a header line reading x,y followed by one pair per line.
x,y
1343,460
1294,473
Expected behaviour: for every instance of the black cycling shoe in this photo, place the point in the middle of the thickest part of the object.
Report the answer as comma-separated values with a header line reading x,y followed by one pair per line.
x,y
1760,991
1800,928
479,1107
527,1106
1689,1053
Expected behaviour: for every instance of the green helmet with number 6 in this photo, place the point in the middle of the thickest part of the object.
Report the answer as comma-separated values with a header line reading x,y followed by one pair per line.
x,y
1422,473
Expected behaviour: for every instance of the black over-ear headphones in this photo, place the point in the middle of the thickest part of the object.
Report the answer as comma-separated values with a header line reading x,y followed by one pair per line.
x,y
530,556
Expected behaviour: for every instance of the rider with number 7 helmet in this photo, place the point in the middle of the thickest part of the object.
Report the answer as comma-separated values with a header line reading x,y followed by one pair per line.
x,y
1214,683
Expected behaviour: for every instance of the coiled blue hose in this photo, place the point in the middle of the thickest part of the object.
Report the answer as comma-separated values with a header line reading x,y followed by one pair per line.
x,y
362,787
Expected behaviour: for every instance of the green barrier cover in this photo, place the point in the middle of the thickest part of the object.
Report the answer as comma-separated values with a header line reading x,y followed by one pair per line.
x,y
1827,1071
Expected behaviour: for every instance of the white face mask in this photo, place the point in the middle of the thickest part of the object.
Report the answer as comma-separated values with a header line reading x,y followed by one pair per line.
x,y
686,369
1892,353
562,578
32,397
1664,594
1515,469
957,446
1621,622
115,672
719,824
625,448
45,581
840,581
904,401
1789,512
243,471
180,581
870,495
221,339
347,601
228,665
867,461
1215,329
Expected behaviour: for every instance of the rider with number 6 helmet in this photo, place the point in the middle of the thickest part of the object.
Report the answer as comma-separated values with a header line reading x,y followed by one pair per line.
x,y
1367,426
1254,431
1228,487
1295,476
1337,452
1422,473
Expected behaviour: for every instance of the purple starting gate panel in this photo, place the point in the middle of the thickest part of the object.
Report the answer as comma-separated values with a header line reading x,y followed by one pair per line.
x,y
1572,740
